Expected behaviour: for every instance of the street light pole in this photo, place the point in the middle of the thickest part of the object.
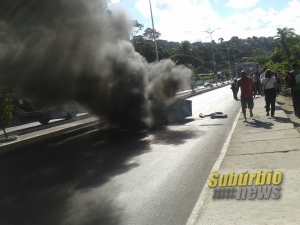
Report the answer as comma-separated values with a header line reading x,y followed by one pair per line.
x,y
212,49
236,76
243,62
154,35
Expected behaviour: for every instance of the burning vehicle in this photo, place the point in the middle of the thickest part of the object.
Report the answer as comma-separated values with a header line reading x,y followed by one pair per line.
x,y
179,110
27,111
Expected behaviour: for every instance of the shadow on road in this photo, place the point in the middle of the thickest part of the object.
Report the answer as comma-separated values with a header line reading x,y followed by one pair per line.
x,y
260,124
282,119
37,184
174,136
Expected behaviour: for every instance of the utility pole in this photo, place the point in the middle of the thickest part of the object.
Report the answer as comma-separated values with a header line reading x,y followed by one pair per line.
x,y
229,60
236,75
212,48
154,35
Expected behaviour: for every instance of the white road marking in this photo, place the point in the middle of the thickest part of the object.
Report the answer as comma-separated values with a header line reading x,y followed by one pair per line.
x,y
193,219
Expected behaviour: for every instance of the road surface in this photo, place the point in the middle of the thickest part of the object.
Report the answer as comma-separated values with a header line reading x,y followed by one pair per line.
x,y
116,176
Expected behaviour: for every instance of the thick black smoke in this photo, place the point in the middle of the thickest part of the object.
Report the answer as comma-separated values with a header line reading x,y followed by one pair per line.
x,y
61,50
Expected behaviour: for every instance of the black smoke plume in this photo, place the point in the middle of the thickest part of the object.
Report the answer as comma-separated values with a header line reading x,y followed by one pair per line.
x,y
55,51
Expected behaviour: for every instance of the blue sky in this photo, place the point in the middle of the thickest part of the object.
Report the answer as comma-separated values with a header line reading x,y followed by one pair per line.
x,y
180,20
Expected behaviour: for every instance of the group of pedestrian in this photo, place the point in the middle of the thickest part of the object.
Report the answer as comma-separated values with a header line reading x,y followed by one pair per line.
x,y
268,85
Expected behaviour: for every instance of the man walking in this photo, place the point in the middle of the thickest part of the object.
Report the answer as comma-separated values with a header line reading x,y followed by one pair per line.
x,y
295,91
247,87
257,83
233,88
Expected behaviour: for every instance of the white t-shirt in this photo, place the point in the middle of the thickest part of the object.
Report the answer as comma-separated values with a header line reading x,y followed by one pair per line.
x,y
269,83
262,76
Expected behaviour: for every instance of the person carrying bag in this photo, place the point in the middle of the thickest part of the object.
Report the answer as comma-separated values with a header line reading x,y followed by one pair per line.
x,y
268,88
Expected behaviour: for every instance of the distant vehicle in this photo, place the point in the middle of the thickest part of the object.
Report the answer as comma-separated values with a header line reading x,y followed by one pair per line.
x,y
28,112
208,84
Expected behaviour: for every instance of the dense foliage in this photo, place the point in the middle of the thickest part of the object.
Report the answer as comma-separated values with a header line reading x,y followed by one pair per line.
x,y
276,53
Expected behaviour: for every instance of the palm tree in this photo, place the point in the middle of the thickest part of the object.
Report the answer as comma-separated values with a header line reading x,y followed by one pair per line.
x,y
282,35
221,40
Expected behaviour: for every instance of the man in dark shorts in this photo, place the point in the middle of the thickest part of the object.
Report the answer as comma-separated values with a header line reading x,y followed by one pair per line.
x,y
247,87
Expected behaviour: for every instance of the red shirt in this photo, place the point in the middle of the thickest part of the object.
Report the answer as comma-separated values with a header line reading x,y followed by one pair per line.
x,y
246,87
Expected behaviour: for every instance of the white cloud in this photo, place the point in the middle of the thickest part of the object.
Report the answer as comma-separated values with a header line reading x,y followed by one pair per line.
x,y
184,20
241,4
178,20
114,1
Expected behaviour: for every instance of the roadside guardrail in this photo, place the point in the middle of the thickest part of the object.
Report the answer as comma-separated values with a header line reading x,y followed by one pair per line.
x,y
191,93
53,133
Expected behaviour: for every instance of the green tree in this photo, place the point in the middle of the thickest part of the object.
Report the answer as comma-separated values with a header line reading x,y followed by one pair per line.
x,y
6,108
218,57
146,49
283,67
282,35
185,47
226,74
136,28
186,55
202,69
294,47
261,59
148,34
235,40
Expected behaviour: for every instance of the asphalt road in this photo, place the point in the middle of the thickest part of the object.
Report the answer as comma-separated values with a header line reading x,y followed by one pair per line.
x,y
116,176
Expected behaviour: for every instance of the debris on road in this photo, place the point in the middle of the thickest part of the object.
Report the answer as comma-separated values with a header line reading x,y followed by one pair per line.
x,y
214,115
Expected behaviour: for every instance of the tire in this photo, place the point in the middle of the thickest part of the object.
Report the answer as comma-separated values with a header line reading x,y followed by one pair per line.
x,y
69,116
44,120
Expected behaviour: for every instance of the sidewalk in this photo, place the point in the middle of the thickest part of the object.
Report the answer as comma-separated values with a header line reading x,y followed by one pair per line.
x,y
263,143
